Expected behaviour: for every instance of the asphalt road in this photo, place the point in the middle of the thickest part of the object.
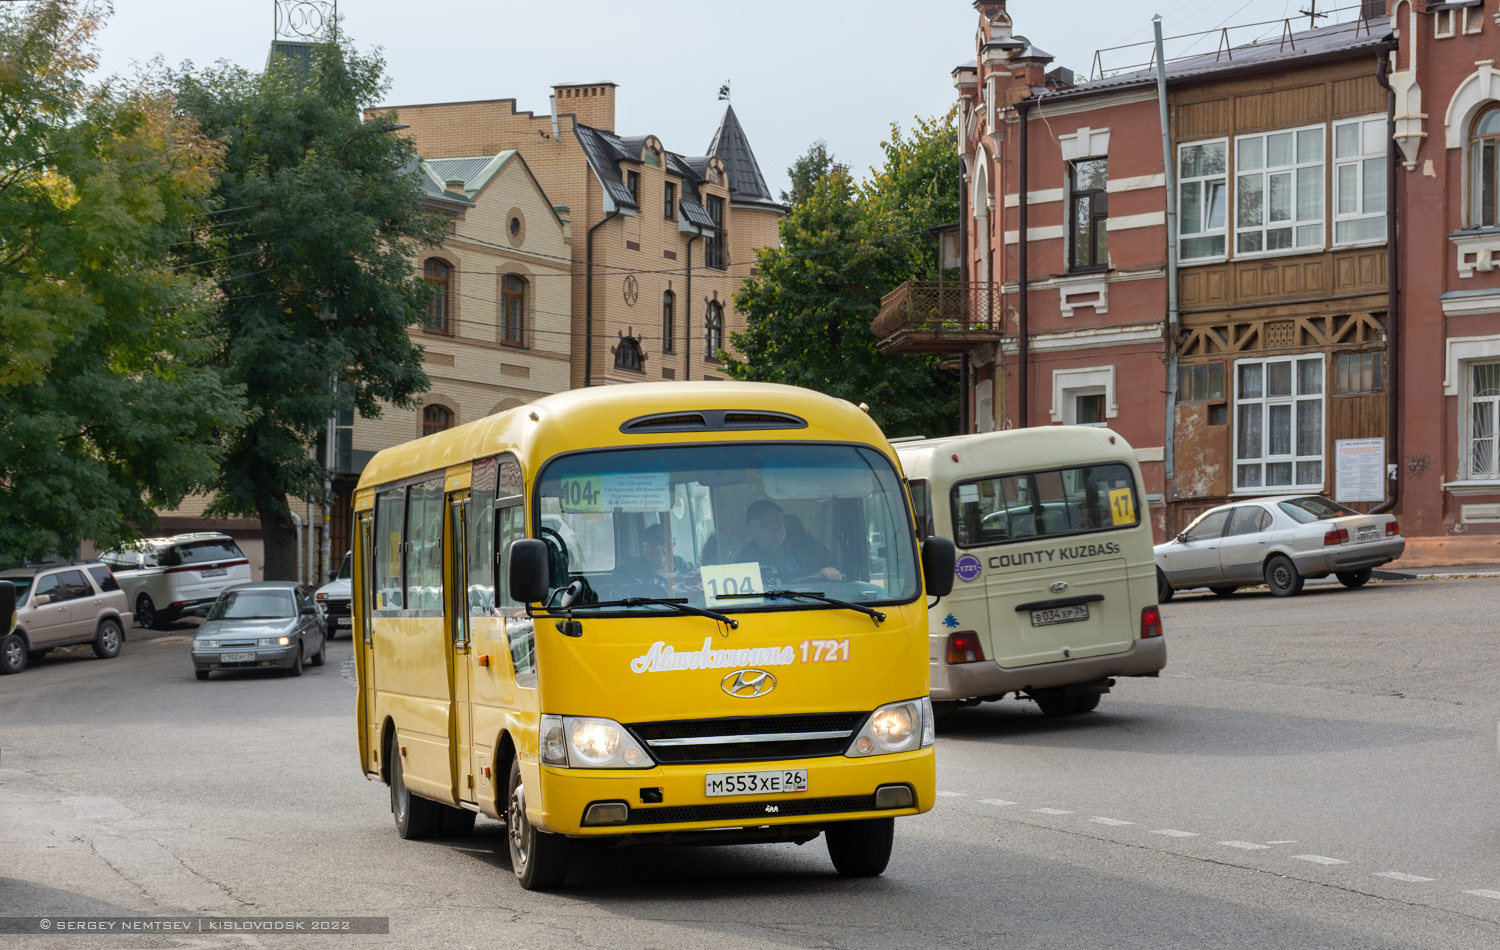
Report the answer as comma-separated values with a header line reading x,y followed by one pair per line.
x,y
1313,772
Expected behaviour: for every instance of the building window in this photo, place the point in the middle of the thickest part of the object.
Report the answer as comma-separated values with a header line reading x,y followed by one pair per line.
x,y
713,330
1484,414
1359,180
633,182
512,310
714,249
438,275
1279,424
1484,170
1088,212
1202,217
669,201
668,308
1084,396
1442,24
628,354
1278,192
1202,383
436,418
1357,373
1087,408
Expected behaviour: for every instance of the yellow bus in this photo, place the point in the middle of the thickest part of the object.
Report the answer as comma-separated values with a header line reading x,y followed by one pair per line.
x,y
664,612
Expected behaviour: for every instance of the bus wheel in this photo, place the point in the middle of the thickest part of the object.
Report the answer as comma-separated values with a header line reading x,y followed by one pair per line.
x,y
539,859
416,817
1057,702
861,848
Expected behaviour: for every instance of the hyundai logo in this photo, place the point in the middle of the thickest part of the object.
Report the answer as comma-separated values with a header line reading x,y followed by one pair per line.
x,y
1058,587
748,684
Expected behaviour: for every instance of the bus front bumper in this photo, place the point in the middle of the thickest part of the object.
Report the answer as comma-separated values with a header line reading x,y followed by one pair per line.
x,y
673,798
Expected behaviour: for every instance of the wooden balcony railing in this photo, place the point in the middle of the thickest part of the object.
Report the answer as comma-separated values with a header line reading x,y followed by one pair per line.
x,y
932,317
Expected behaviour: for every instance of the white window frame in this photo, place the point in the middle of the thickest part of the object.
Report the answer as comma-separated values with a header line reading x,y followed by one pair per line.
x,y
1466,424
1083,381
1360,163
1441,17
1478,24
1202,183
1265,404
1294,170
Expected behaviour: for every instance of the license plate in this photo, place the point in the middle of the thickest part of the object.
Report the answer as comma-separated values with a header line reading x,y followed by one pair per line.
x,y
1367,532
755,783
237,658
343,622
215,572
1041,618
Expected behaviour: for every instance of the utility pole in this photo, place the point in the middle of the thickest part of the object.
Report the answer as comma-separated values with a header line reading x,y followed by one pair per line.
x,y
1313,16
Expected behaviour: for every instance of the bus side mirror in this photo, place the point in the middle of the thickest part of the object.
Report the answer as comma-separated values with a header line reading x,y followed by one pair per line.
x,y
938,558
529,573
7,607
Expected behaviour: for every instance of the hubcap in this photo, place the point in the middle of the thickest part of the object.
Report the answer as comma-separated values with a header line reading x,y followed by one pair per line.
x,y
111,637
398,793
516,819
145,611
13,653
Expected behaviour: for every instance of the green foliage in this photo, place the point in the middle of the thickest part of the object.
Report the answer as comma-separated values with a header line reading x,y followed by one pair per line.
x,y
810,303
815,163
107,409
319,217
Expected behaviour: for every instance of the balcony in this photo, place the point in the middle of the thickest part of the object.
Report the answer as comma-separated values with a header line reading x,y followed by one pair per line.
x,y
942,318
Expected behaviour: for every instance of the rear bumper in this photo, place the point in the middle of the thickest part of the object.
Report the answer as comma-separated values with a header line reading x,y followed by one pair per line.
x,y
973,680
1350,557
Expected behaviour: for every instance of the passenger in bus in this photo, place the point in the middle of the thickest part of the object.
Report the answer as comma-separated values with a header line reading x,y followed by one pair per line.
x,y
792,554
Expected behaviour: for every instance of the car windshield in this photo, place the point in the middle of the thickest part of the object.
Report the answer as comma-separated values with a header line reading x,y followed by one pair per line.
x,y
253,605
1314,508
346,569
703,523
23,587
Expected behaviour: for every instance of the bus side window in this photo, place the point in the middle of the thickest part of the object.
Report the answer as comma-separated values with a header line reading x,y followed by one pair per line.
x,y
510,525
424,547
390,508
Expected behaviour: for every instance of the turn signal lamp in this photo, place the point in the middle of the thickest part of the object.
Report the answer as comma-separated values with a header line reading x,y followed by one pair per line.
x,y
1150,622
1335,536
963,647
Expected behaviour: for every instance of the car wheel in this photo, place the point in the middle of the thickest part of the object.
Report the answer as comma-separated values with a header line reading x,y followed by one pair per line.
x,y
417,818
1164,590
12,654
296,668
1223,591
539,859
145,613
201,674
1355,579
1058,702
322,654
107,641
1282,576
861,848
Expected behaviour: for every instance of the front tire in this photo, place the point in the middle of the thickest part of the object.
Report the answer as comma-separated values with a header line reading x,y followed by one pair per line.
x,y
861,848
322,654
1164,592
417,818
12,654
1282,577
145,613
107,641
1355,579
296,669
539,859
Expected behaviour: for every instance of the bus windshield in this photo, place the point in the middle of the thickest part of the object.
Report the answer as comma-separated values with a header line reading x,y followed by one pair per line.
x,y
705,522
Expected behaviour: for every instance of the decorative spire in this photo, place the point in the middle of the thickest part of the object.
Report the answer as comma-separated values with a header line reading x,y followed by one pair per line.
x,y
730,146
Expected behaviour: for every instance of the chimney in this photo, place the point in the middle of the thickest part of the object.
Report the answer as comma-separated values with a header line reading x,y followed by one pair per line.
x,y
592,102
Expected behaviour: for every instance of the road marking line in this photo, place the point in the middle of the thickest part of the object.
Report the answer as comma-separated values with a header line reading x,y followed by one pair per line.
x,y
1052,811
1111,821
997,801
1174,833
1492,895
951,795
1246,845
1398,876
1287,841
1318,859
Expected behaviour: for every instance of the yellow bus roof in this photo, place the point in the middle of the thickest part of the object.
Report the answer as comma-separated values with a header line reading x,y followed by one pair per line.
x,y
588,418
1014,450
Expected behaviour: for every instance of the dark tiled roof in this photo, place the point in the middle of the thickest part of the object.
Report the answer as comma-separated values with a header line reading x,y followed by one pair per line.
x,y
1275,52
604,152
695,213
730,146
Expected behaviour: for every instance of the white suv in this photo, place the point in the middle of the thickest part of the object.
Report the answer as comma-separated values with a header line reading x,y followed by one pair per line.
x,y
333,599
164,578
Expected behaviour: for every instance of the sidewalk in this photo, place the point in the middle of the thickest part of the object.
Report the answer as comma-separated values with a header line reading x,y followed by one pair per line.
x,y
1396,573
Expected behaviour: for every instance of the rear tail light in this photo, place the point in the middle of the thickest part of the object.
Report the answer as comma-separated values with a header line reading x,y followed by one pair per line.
x,y
963,647
1150,622
1392,527
1336,536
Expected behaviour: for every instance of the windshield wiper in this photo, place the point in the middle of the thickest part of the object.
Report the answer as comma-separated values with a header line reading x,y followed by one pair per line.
x,y
813,595
676,603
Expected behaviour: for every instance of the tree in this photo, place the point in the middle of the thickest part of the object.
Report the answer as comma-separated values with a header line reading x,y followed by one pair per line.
x,y
319,218
810,302
107,407
815,163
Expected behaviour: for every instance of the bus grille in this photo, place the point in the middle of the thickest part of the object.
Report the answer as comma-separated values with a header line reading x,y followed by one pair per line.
x,y
748,739
751,812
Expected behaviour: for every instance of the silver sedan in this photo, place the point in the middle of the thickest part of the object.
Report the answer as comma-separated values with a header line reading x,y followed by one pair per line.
x,y
1280,542
266,625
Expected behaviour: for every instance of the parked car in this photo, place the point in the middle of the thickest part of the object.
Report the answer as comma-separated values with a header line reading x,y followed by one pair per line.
x,y
62,605
165,578
266,625
1278,541
333,598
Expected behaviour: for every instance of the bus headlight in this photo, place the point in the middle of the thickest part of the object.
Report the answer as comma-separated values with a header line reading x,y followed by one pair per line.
x,y
895,727
586,743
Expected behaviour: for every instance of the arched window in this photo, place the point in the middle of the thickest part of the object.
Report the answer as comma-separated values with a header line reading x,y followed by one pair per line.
x,y
628,354
713,330
436,418
668,310
1484,170
512,310
438,275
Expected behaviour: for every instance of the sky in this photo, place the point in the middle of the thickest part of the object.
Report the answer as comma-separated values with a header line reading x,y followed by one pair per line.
x,y
799,70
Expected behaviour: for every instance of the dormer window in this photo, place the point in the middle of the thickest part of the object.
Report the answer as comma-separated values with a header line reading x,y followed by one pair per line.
x,y
628,354
633,182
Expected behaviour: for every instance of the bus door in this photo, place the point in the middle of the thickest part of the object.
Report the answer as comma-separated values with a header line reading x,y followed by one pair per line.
x,y
364,604
461,723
